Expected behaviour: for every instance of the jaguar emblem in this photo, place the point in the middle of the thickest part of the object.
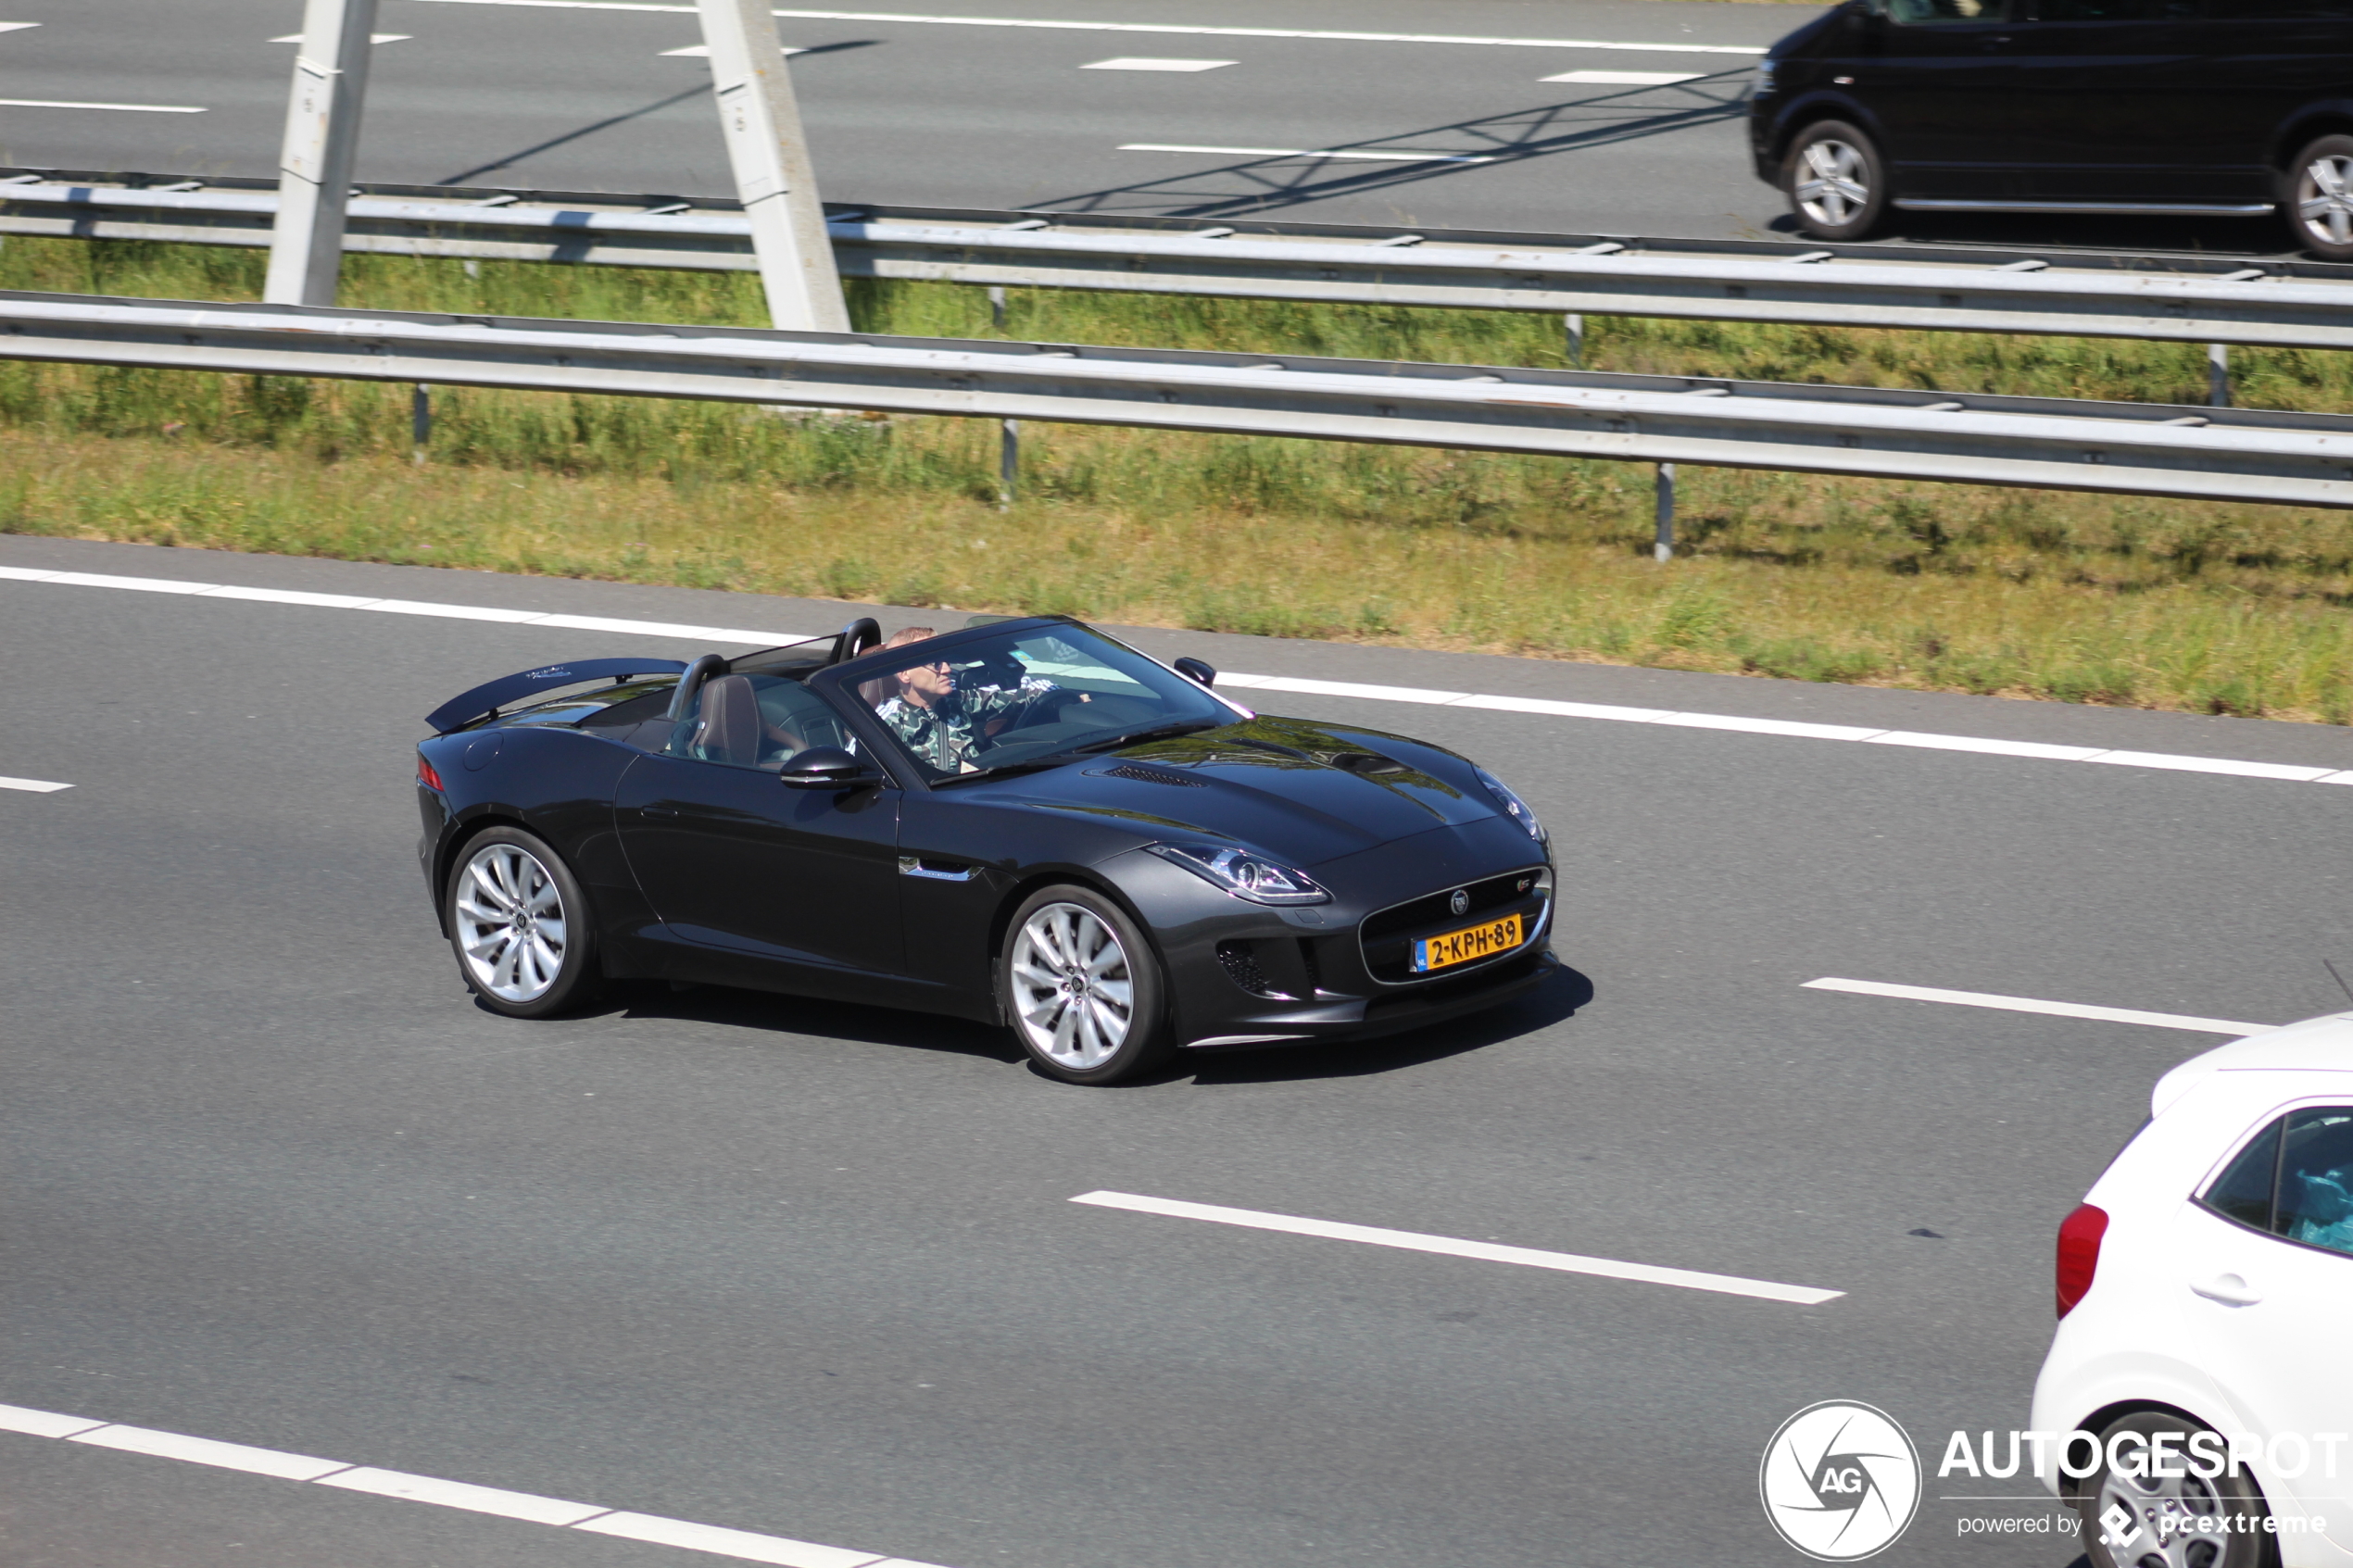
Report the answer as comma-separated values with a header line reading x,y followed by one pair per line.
x,y
1459,902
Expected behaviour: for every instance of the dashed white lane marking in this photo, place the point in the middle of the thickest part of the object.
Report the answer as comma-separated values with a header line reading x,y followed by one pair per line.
x,y
36,786
1300,152
702,51
1146,62
744,1545
126,108
1625,78
15,27
1794,729
2031,1004
1161,27
372,38
1484,1251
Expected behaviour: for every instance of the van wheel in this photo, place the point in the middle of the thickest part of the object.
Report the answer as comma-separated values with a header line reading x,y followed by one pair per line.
x,y
2184,1520
1835,181
2320,204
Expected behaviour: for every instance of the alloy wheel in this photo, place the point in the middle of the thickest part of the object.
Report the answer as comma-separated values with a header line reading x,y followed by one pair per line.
x,y
1073,991
2325,199
511,924
1830,187
2163,1512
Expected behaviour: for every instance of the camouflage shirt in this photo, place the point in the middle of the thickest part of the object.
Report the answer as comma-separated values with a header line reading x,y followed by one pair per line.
x,y
945,733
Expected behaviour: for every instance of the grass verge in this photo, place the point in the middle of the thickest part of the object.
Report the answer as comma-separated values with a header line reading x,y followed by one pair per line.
x,y
2208,608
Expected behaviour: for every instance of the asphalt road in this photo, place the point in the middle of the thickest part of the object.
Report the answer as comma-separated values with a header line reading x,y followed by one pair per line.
x,y
560,97
813,1269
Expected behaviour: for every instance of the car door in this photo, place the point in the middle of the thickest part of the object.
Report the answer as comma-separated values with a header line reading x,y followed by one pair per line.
x,y
2265,65
732,860
1939,77
2266,1264
2118,106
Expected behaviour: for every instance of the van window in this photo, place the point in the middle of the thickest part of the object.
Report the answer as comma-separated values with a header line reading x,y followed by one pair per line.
x,y
1946,13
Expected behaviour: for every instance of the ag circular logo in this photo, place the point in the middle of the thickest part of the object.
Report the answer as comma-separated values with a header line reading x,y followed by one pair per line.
x,y
1841,1481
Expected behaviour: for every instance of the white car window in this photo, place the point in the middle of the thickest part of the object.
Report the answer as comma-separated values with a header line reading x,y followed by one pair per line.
x,y
2315,1202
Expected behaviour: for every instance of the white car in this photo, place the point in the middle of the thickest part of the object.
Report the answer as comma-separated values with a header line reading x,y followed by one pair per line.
x,y
2201,1380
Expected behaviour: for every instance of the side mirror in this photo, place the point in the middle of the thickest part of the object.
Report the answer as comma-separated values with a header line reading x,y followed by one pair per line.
x,y
1196,671
827,767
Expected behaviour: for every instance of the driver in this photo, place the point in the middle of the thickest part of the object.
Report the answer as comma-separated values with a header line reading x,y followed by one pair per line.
x,y
942,723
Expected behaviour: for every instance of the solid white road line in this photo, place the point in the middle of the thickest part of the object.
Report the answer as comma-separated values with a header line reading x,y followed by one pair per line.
x,y
1300,152
2029,1004
1625,78
205,1451
1547,707
743,1544
458,1494
36,786
1484,1251
1146,62
1160,27
126,108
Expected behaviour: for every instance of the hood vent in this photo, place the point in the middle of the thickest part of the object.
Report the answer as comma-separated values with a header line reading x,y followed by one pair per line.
x,y
1152,775
1364,763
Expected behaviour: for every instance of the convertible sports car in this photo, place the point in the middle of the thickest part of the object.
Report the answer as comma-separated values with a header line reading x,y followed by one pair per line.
x,y
1023,822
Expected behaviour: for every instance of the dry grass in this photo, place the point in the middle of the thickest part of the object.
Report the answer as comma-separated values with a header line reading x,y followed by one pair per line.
x,y
2220,608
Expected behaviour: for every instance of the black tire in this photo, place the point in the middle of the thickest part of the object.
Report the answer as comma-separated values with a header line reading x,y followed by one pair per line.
x,y
1062,992
2318,198
1835,180
2237,1539
512,905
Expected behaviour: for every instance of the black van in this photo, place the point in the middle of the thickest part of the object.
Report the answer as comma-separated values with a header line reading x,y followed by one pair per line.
x,y
2209,109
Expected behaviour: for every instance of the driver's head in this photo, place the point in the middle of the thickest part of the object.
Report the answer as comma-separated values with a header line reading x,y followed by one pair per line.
x,y
925,684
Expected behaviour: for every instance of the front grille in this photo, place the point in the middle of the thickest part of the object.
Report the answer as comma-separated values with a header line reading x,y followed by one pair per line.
x,y
1241,961
1388,937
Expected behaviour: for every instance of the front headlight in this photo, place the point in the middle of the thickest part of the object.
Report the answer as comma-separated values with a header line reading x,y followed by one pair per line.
x,y
1244,874
1514,807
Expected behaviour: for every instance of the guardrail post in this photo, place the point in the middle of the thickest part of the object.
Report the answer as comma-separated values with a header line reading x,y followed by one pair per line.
x,y
996,306
1663,544
1574,325
774,176
419,422
1008,462
2218,375
322,137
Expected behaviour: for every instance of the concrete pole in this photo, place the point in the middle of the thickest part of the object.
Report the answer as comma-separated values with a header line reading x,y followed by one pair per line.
x,y
323,138
774,176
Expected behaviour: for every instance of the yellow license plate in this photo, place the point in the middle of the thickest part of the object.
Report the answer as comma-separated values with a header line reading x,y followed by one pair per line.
x,y
1465,947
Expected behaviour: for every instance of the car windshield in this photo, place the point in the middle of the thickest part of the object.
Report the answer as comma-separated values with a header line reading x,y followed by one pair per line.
x,y
989,704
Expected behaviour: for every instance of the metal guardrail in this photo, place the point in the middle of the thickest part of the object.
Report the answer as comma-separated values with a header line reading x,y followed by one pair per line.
x,y
2184,298
2050,442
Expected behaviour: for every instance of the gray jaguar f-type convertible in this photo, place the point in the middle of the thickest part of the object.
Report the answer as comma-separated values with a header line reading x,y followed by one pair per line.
x,y
1022,821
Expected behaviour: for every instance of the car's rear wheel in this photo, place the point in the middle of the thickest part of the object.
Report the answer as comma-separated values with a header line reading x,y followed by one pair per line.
x,y
2319,205
519,922
1835,180
2183,1521
1082,988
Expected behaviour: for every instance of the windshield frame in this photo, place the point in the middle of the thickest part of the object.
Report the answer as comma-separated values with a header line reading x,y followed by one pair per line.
x,y
838,684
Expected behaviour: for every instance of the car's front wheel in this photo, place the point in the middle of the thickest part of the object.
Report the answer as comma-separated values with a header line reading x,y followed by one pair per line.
x,y
2165,1520
1082,988
1835,180
2320,205
519,923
